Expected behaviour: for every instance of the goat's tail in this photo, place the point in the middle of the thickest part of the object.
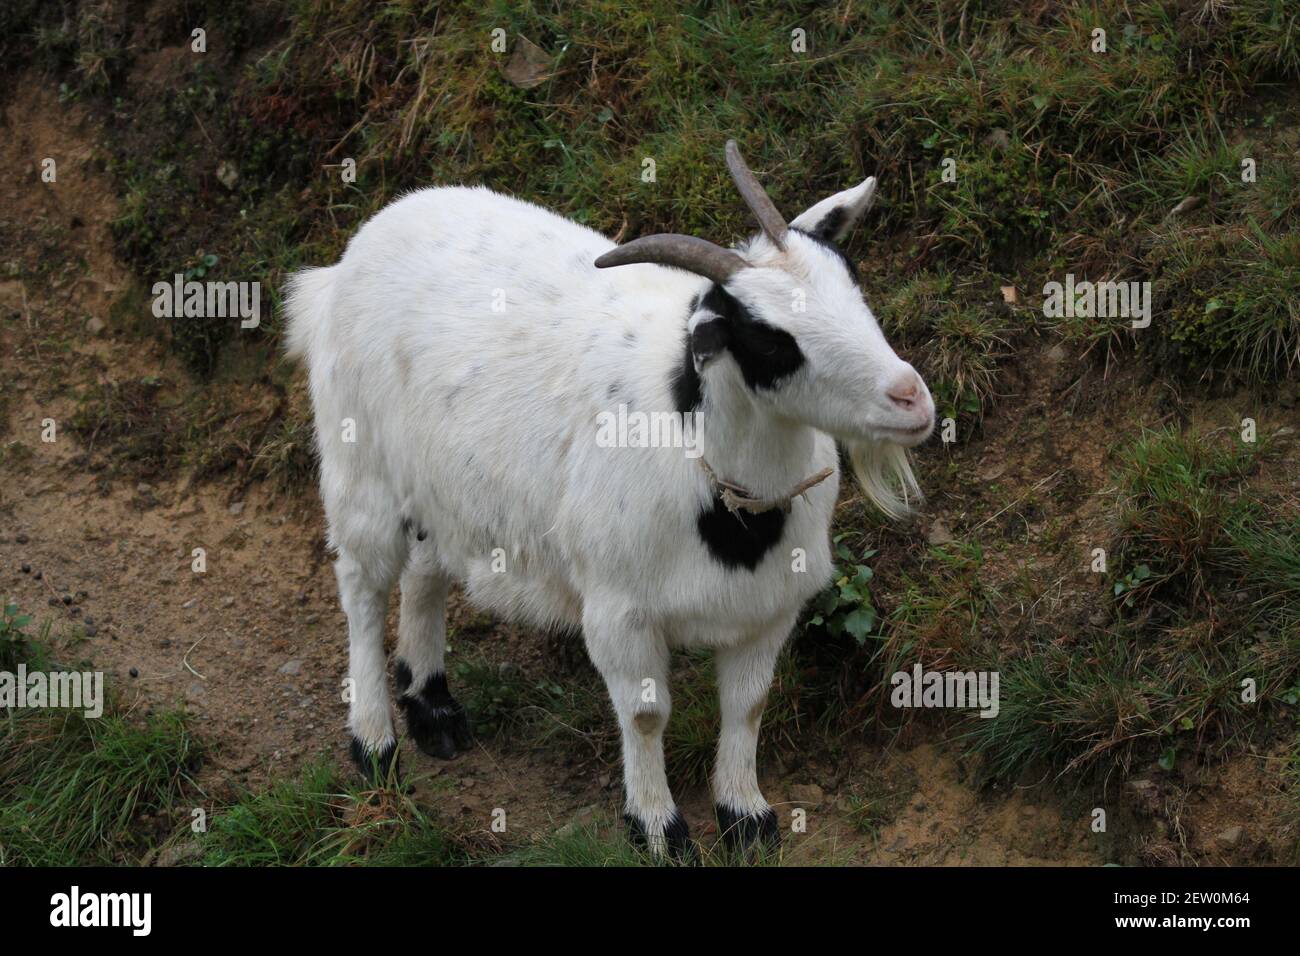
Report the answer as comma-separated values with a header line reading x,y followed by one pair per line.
x,y
308,294
885,474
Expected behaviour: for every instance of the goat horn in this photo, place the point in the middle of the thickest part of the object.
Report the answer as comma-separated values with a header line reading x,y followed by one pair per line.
x,y
683,252
755,196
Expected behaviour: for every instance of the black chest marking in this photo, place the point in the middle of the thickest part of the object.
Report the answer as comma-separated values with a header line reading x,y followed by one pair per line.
x,y
739,542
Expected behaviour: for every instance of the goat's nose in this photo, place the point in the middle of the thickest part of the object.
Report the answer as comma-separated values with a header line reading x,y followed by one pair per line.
x,y
905,390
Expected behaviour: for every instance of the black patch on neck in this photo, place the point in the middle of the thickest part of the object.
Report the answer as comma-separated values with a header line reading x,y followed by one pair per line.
x,y
739,541
821,237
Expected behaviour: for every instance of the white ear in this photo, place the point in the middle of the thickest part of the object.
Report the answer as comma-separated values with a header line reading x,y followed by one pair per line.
x,y
833,217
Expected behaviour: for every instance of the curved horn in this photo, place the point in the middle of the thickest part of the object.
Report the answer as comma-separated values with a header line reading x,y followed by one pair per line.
x,y
683,252
755,196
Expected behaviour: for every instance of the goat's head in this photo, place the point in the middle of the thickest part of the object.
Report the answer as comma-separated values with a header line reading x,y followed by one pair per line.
x,y
787,319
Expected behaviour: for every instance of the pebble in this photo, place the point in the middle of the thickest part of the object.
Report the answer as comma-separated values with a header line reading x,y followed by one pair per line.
x,y
237,508
189,604
91,630
291,667
939,533
27,569
134,672
1230,836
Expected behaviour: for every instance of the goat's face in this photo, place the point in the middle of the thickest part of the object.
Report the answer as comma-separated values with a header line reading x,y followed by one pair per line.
x,y
785,319
843,377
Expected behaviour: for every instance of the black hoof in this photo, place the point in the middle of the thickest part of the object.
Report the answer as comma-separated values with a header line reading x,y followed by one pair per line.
x,y
436,721
677,842
746,831
379,767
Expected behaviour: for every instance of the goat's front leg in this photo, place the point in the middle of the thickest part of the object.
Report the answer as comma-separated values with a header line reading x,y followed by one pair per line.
x,y
744,679
632,657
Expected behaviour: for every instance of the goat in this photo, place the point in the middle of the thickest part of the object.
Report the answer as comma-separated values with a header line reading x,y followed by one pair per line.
x,y
461,354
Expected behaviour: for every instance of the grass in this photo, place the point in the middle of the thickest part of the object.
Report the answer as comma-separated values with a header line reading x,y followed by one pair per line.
x,y
1217,605
75,790
318,820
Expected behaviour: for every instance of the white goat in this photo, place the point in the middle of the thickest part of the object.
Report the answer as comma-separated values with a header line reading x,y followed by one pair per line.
x,y
463,355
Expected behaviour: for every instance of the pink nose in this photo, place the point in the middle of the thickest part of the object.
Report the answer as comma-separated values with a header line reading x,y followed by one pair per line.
x,y
906,390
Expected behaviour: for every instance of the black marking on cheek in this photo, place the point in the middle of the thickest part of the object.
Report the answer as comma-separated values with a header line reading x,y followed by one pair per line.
x,y
739,542
765,354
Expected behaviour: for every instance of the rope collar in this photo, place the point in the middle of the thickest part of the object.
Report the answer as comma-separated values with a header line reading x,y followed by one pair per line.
x,y
736,498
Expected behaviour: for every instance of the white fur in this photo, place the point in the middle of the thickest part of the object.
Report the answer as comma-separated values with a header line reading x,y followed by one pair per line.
x,y
479,427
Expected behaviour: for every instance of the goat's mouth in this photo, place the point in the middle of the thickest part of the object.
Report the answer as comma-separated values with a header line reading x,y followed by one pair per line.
x,y
909,436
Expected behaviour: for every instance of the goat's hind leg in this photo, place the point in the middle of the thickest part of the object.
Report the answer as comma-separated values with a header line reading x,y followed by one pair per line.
x,y
436,721
363,593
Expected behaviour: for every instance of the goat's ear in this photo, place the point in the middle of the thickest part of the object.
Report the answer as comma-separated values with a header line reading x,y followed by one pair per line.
x,y
834,217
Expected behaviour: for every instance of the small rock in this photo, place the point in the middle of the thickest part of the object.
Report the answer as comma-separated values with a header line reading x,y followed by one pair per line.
x,y
134,672
88,619
26,569
143,488
311,619
291,667
1230,836
95,325
529,65
179,853
939,533
808,793
91,630
237,508
227,602
67,599
227,174
189,604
